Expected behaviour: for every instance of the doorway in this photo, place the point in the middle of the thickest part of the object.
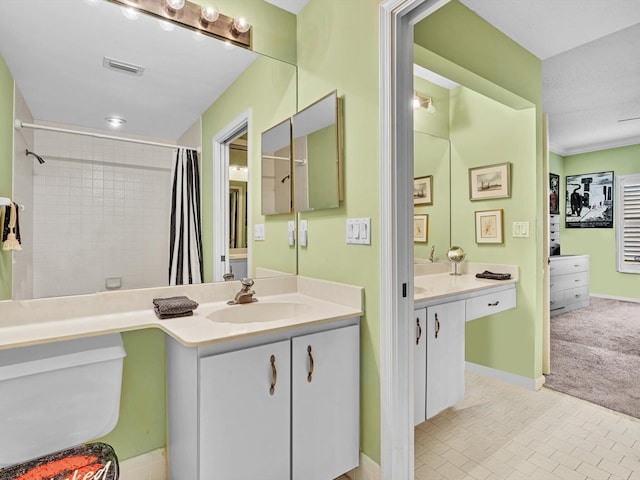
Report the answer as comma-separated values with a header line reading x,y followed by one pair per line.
x,y
231,200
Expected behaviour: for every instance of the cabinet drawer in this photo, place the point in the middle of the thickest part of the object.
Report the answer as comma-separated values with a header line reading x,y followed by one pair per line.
x,y
565,282
566,265
490,303
576,295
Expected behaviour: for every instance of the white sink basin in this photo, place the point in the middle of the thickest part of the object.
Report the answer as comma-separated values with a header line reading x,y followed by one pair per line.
x,y
259,312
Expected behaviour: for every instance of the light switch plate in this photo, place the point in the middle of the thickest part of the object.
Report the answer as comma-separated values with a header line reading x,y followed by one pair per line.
x,y
258,231
520,230
304,233
359,231
291,233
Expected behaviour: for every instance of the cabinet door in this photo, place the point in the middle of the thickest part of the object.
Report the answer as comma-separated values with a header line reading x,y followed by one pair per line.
x,y
445,356
244,422
325,403
420,367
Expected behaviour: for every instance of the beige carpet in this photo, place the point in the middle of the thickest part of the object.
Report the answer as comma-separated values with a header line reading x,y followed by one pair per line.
x,y
595,354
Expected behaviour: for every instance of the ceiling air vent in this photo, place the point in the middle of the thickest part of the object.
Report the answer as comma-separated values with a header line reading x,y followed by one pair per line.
x,y
124,67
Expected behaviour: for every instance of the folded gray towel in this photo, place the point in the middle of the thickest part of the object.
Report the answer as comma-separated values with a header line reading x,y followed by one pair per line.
x,y
180,306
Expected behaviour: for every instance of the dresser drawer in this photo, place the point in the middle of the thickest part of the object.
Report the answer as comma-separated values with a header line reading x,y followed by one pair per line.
x,y
565,265
556,300
490,303
565,282
576,295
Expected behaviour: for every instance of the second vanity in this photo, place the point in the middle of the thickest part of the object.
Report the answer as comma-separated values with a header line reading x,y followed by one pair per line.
x,y
443,303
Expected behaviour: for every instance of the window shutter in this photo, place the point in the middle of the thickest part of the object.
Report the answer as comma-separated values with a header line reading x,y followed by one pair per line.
x,y
628,231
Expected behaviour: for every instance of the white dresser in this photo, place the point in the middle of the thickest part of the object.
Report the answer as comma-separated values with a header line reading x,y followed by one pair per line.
x,y
569,283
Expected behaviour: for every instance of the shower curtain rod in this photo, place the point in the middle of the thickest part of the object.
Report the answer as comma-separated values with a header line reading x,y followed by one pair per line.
x,y
19,124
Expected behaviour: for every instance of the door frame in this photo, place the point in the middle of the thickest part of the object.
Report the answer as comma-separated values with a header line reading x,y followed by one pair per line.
x,y
220,184
397,18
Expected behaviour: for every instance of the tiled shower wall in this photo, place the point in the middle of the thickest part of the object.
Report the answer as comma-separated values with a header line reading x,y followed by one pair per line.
x,y
101,211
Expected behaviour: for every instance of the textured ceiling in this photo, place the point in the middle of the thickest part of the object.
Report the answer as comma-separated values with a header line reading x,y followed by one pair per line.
x,y
591,65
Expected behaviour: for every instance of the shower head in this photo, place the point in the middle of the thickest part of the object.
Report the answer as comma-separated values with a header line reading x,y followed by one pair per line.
x,y
38,157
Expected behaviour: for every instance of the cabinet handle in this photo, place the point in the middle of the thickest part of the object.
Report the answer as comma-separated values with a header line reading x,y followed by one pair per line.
x,y
309,377
495,304
419,331
437,326
274,375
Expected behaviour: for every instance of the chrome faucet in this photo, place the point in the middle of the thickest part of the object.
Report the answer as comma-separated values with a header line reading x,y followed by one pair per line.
x,y
433,249
246,293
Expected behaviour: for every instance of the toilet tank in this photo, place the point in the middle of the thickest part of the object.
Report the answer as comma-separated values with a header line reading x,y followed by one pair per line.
x,y
58,395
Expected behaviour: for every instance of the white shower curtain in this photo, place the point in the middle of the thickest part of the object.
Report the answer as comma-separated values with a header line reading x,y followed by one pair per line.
x,y
185,247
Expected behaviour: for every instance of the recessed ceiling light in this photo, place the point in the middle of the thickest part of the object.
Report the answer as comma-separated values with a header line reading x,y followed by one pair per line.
x,y
115,122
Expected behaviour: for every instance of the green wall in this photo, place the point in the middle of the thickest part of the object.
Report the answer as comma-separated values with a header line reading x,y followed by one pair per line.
x,y
600,243
336,51
142,423
6,165
458,44
268,89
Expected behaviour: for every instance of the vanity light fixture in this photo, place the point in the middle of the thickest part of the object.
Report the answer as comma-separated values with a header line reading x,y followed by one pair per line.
x,y
115,122
206,19
175,5
426,102
209,14
240,25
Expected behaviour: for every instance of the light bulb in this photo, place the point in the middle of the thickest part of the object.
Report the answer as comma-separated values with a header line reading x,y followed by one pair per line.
x,y
240,25
166,26
175,5
415,102
209,14
129,13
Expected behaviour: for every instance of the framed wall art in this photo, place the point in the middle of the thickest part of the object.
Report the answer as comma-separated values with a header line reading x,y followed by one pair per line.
x,y
554,194
422,190
492,181
420,228
489,226
589,202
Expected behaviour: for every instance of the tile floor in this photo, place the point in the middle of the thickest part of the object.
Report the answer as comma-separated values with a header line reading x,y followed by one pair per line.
x,y
504,432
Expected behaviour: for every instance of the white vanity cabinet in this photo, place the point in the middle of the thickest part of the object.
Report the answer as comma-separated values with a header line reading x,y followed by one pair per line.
x,y
445,356
439,355
420,367
281,406
244,413
439,358
325,423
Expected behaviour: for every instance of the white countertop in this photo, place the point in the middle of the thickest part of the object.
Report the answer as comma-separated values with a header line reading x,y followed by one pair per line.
x,y
433,280
46,320
434,286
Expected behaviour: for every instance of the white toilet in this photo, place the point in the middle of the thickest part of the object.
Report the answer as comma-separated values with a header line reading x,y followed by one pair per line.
x,y
58,395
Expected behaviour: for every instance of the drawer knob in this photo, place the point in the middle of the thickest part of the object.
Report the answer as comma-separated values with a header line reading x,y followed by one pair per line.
x,y
494,304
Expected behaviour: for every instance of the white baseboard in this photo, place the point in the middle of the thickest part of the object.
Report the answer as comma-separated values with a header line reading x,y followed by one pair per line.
x,y
508,377
148,466
614,297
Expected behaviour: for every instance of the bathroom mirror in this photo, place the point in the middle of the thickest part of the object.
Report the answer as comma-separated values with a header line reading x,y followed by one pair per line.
x,y
432,158
276,169
97,212
317,152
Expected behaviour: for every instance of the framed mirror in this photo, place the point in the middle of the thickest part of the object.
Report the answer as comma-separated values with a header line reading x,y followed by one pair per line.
x,y
97,212
317,155
276,178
